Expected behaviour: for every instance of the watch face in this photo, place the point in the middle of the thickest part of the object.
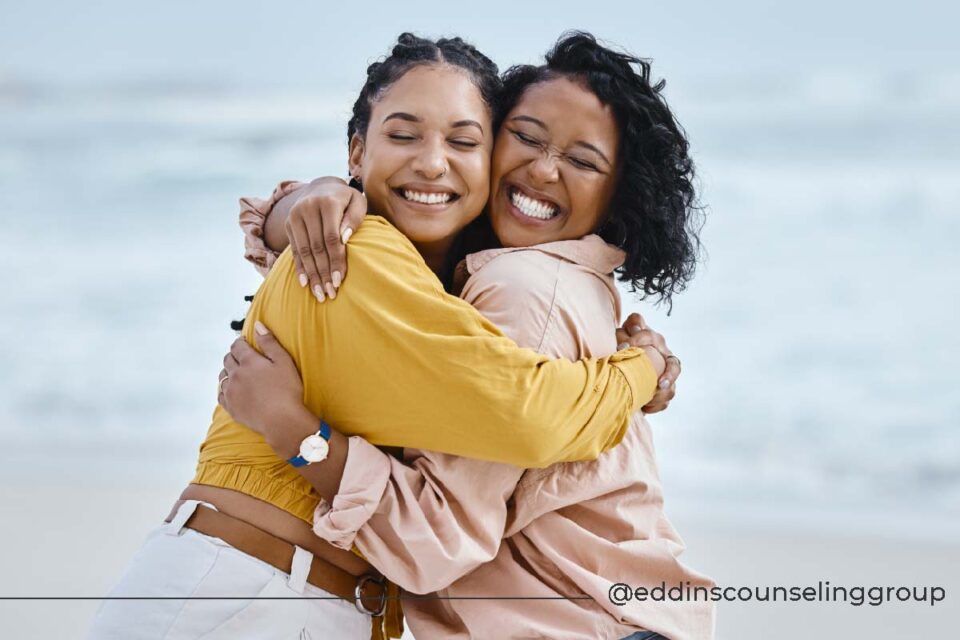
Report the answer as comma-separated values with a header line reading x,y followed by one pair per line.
x,y
314,448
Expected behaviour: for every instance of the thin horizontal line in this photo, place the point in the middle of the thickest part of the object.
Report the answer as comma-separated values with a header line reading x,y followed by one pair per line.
x,y
408,597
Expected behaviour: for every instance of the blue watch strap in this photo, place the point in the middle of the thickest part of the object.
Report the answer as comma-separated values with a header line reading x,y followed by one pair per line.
x,y
323,432
298,461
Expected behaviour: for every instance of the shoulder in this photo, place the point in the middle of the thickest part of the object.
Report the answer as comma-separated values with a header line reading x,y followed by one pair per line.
x,y
513,276
377,234
380,253
549,270
544,301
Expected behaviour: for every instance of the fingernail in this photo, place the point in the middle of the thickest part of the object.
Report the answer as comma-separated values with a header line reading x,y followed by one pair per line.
x,y
664,383
336,279
318,292
331,292
260,329
634,329
303,280
622,346
346,234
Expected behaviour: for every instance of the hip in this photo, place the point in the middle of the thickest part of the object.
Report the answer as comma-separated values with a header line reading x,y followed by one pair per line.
x,y
274,521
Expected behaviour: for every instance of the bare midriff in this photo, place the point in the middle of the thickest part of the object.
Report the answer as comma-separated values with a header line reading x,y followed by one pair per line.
x,y
274,521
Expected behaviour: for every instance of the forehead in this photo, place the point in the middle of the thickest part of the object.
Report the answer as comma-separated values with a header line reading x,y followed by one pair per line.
x,y
434,93
569,108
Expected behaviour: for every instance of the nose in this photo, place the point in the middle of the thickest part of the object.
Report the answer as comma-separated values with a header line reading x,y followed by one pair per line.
x,y
543,170
431,159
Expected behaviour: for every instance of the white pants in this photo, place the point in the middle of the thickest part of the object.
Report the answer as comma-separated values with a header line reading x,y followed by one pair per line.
x,y
176,563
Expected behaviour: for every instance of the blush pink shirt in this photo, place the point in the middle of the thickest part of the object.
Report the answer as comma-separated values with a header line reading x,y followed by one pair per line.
x,y
454,527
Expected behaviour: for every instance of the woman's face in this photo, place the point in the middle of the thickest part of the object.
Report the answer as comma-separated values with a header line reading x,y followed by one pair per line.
x,y
425,160
554,165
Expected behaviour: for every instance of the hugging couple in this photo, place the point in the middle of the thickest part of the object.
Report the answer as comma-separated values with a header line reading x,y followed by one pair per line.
x,y
454,425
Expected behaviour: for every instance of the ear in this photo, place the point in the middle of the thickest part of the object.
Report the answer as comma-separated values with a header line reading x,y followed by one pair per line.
x,y
355,162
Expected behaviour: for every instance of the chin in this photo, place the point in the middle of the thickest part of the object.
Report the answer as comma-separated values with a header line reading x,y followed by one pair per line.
x,y
509,235
428,232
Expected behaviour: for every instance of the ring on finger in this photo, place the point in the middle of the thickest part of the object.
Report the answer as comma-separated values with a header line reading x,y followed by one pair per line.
x,y
220,384
673,357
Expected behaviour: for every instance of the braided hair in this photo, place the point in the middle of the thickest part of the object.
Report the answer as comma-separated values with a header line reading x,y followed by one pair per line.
x,y
410,52
654,214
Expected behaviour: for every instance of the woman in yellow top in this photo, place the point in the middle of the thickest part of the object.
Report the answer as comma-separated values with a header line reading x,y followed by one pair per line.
x,y
394,353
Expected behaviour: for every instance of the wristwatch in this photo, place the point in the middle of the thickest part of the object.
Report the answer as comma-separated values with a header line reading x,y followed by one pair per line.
x,y
314,447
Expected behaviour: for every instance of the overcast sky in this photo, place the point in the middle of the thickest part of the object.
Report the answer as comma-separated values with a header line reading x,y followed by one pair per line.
x,y
247,43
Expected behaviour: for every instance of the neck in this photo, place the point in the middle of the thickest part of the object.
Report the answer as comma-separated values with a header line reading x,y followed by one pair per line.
x,y
435,255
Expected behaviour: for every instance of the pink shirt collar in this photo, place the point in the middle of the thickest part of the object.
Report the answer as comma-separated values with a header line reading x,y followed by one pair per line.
x,y
590,251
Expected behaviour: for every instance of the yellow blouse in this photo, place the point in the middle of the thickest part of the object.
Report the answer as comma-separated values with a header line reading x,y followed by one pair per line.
x,y
398,361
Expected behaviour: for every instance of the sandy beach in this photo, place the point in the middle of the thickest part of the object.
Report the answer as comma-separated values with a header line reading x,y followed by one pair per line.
x,y
70,533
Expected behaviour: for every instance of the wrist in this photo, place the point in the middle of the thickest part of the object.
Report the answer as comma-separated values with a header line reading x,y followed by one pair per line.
x,y
290,431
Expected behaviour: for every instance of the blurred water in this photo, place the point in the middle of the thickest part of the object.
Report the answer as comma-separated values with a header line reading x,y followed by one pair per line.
x,y
818,341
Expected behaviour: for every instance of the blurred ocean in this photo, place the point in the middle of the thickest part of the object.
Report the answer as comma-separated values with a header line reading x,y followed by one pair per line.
x,y
819,340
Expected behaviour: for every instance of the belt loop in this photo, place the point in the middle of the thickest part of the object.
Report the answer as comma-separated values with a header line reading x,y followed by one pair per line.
x,y
300,569
175,526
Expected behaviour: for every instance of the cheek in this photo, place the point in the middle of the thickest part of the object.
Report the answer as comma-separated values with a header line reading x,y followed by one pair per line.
x,y
475,172
589,199
510,154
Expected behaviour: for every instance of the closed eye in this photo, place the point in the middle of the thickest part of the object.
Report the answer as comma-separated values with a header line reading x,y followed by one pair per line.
x,y
582,164
403,137
465,143
525,139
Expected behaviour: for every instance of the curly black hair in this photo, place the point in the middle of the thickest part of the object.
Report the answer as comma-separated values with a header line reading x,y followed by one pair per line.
x,y
412,51
654,215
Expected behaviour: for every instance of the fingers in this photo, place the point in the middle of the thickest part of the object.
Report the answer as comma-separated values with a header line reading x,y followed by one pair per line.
x,y
328,248
240,352
623,339
230,363
660,401
301,246
643,338
670,374
268,343
223,379
298,265
634,323
340,218
318,226
352,217
322,232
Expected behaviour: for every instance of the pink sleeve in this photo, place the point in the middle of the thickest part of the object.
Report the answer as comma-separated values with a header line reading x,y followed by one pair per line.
x,y
253,215
423,522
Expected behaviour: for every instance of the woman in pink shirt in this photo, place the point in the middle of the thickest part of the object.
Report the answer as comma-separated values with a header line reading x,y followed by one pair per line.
x,y
590,176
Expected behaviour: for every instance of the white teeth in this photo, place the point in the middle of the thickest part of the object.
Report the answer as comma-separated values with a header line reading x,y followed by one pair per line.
x,y
532,208
427,198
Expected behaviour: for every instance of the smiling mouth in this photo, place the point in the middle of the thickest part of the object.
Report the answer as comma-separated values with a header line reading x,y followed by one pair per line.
x,y
427,197
531,207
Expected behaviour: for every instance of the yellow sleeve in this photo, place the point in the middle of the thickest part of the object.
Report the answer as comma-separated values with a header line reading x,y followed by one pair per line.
x,y
398,361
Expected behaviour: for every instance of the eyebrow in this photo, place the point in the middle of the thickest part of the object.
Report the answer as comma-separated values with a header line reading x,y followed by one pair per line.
x,y
409,117
467,123
578,143
400,115
531,119
587,145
